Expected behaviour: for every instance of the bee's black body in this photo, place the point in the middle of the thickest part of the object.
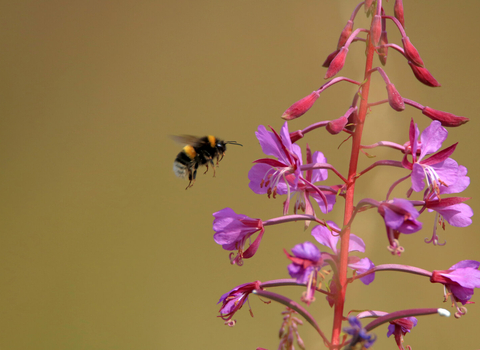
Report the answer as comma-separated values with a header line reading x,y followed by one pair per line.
x,y
198,151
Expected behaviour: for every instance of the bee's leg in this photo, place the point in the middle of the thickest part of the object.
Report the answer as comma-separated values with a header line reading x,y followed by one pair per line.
x,y
192,176
218,157
213,166
207,169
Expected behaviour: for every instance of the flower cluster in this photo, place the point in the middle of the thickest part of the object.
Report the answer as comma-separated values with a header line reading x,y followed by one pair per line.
x,y
327,263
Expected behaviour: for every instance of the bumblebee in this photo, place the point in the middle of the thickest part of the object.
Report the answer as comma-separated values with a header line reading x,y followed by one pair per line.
x,y
198,151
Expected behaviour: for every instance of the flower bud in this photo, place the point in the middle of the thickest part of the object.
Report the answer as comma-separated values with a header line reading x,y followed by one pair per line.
x,y
337,63
376,29
383,51
368,6
347,30
337,125
329,59
411,52
300,107
423,75
398,11
394,98
447,119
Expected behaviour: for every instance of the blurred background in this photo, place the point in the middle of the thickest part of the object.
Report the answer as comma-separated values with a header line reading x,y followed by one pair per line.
x,y
101,246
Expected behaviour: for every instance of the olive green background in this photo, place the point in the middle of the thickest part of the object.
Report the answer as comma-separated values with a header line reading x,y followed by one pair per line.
x,y
101,246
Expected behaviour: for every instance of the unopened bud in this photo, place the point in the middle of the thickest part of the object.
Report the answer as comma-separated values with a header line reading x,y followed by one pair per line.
x,y
329,59
411,52
398,11
394,98
347,30
383,51
337,125
337,63
423,75
376,29
447,119
368,6
300,107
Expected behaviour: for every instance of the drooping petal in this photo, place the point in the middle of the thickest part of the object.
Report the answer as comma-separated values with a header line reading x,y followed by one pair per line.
x,y
363,265
331,199
326,237
356,244
458,215
467,277
319,174
462,182
400,214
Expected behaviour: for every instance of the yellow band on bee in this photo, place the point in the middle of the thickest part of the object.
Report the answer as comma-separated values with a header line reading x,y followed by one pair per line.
x,y
212,140
189,151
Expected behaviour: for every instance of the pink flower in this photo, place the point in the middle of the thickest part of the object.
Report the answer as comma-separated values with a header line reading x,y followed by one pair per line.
x,y
460,279
324,236
436,170
232,232
233,300
400,327
400,215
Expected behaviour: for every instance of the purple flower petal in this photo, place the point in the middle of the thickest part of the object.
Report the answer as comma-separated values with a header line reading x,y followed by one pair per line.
x,y
307,250
257,177
432,138
325,237
363,265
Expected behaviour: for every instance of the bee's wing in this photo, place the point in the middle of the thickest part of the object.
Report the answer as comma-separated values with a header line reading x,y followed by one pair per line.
x,y
186,140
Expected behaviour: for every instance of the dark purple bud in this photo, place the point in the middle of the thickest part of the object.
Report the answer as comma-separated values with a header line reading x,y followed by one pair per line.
x,y
411,52
337,63
394,98
398,11
423,75
447,119
300,107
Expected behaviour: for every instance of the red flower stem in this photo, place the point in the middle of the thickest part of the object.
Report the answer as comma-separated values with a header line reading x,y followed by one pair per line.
x,y
349,199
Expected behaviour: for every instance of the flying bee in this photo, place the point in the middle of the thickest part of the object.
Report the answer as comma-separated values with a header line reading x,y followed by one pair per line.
x,y
198,151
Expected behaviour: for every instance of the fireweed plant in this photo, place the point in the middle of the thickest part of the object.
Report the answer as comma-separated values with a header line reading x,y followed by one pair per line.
x,y
323,267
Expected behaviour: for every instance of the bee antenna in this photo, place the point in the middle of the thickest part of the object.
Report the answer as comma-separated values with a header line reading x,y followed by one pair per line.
x,y
233,143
